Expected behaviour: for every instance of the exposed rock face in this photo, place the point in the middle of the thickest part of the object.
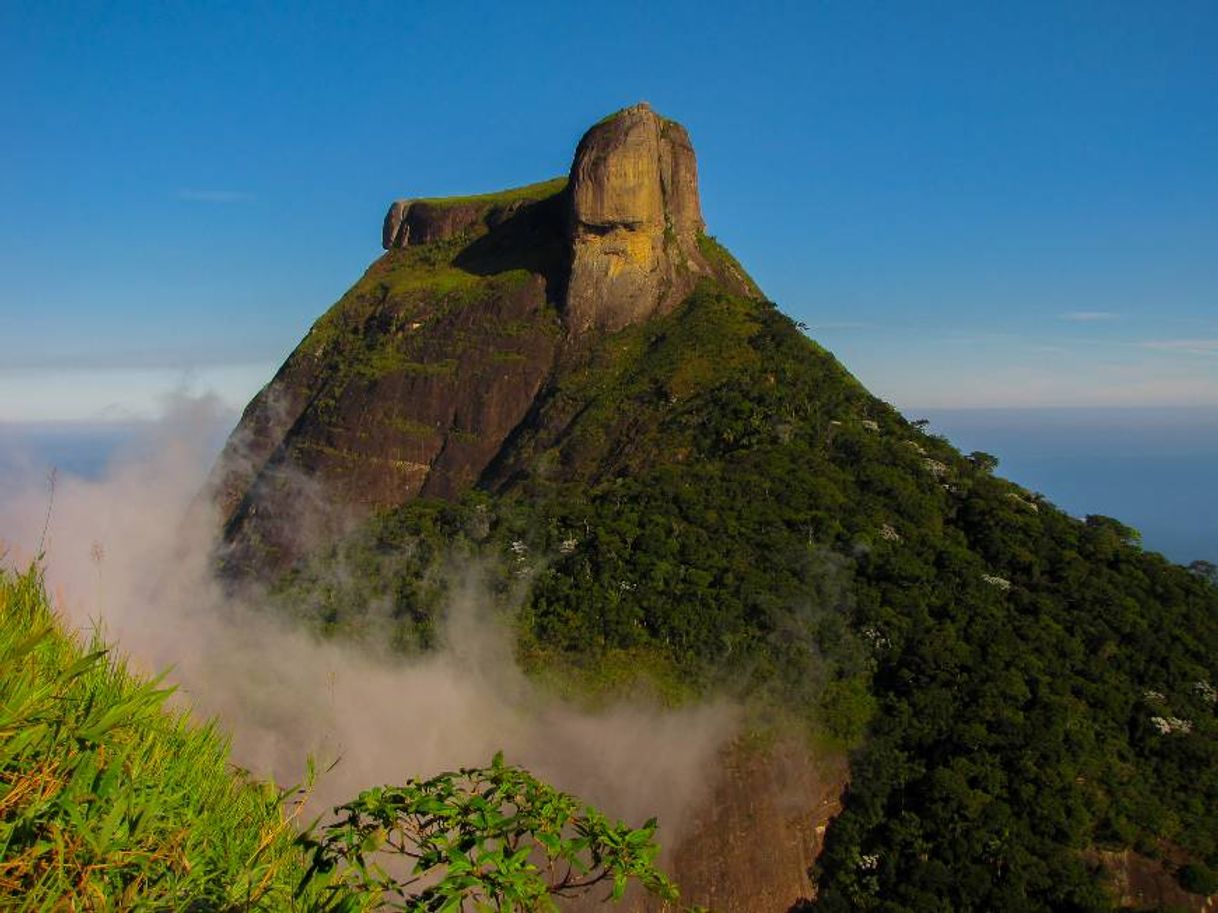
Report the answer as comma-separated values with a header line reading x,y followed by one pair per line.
x,y
414,383
751,843
635,218
781,793
408,387
1141,883
421,420
421,222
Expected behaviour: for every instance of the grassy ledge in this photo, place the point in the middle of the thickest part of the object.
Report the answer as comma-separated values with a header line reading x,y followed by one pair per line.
x,y
538,191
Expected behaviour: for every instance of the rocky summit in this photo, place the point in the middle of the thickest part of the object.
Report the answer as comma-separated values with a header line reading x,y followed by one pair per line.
x,y
634,224
413,382
633,221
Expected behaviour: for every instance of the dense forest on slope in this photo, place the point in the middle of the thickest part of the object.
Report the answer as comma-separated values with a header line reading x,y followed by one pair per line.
x,y
708,501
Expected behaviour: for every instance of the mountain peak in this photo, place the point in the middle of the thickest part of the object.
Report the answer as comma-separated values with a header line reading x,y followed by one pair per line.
x,y
635,221
633,225
416,383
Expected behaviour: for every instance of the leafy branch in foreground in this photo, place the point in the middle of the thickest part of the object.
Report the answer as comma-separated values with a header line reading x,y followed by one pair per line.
x,y
493,838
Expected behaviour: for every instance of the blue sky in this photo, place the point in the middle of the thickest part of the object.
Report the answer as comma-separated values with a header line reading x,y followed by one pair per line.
x,y
971,204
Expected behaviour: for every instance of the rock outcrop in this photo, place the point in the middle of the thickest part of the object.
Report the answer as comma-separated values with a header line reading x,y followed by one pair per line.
x,y
413,223
414,383
635,221
785,794
421,222
633,227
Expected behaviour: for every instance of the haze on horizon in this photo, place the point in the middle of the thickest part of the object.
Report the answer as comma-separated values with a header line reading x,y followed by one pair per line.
x,y
969,206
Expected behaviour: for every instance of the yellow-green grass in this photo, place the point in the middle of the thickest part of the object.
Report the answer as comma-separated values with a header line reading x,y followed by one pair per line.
x,y
537,191
111,801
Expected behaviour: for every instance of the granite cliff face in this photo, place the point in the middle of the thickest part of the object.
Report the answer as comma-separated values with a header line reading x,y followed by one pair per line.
x,y
412,384
635,221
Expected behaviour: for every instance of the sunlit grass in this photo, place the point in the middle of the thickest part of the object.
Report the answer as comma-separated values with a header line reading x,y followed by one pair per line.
x,y
111,801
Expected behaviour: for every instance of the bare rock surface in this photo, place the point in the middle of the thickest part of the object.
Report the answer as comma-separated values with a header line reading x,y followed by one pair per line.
x,y
422,222
751,843
764,826
1138,882
635,217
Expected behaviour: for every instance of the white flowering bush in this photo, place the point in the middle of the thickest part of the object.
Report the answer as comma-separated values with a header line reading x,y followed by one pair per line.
x,y
1171,725
1001,582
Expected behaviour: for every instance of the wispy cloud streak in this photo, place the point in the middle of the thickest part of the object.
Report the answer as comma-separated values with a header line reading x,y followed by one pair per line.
x,y
1191,346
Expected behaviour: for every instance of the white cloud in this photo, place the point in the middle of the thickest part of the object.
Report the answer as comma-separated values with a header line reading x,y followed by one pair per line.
x,y
1191,346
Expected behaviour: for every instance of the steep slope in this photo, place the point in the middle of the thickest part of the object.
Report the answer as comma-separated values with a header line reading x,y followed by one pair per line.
x,y
109,800
685,494
411,382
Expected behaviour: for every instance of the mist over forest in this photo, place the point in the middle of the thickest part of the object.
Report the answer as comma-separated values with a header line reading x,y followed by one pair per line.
x,y
1151,466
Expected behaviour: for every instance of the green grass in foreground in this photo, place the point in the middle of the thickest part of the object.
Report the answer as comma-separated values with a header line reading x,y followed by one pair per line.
x,y
110,801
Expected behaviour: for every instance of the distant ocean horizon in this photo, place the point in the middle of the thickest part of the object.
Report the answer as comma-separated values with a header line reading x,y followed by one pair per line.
x,y
1155,469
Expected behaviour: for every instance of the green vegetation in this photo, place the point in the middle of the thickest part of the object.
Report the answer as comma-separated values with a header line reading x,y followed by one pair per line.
x,y
713,496
379,362
109,801
488,839
724,263
422,282
537,191
1199,879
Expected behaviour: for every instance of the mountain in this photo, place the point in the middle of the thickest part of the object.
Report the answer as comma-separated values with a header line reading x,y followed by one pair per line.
x,y
683,494
453,337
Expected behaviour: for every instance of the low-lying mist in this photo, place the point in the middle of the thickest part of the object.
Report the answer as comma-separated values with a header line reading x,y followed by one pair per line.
x,y
130,550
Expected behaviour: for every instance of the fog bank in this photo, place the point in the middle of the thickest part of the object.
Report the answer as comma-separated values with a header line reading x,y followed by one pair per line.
x,y
127,550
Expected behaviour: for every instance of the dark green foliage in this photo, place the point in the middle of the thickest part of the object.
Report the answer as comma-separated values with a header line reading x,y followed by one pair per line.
x,y
1199,879
1206,570
488,839
711,494
110,802
1021,723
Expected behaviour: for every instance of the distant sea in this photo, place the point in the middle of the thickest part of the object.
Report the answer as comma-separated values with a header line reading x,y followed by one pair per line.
x,y
1154,469
79,449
